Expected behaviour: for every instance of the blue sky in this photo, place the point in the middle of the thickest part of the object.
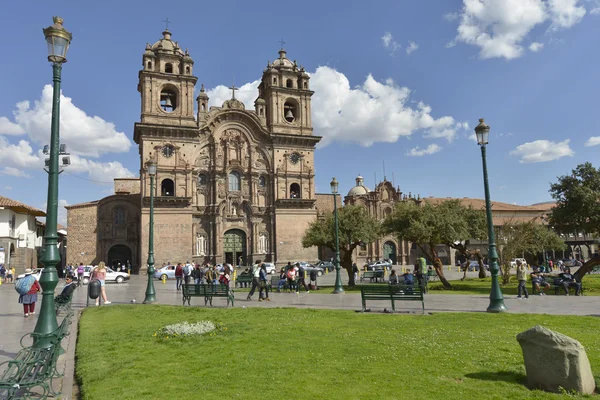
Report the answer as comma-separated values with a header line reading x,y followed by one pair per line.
x,y
397,81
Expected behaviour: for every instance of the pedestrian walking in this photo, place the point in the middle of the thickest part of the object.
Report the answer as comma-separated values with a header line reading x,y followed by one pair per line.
x,y
99,274
198,274
522,278
262,277
301,278
80,272
178,276
187,272
28,288
255,279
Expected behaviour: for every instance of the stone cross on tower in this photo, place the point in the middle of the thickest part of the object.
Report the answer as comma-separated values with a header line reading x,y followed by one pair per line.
x,y
166,21
282,43
233,88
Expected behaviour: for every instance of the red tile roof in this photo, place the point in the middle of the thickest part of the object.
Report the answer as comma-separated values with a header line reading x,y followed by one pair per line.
x,y
19,207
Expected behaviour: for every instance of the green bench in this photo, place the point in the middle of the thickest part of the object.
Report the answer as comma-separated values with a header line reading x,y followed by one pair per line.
x,y
208,292
63,304
34,367
243,278
391,293
372,276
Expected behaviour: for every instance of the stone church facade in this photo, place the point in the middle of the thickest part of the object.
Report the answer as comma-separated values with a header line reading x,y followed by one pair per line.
x,y
232,184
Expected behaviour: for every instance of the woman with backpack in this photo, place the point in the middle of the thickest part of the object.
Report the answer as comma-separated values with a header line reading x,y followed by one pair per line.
x,y
28,288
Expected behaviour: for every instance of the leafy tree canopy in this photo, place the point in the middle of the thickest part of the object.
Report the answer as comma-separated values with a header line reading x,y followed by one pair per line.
x,y
577,199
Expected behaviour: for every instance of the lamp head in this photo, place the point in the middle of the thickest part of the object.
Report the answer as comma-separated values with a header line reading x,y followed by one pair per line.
x,y
334,186
151,165
58,39
483,132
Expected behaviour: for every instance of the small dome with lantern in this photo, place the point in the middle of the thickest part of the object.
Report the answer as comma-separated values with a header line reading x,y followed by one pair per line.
x,y
167,46
360,189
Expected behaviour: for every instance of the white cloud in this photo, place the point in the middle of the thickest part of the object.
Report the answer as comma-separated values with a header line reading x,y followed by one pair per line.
x,y
390,43
372,112
97,171
536,46
412,46
18,156
7,187
498,27
542,151
417,152
595,10
451,16
593,141
83,134
14,172
10,128
247,93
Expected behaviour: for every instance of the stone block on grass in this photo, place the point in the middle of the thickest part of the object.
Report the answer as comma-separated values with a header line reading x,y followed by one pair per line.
x,y
554,361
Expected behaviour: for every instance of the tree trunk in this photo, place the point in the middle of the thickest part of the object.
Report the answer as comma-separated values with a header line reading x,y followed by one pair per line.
x,y
481,266
347,265
587,267
437,265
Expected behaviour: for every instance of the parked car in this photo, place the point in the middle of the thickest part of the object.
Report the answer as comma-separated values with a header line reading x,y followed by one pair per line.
x,y
270,267
474,266
378,265
310,267
37,272
513,262
111,276
572,263
168,272
326,265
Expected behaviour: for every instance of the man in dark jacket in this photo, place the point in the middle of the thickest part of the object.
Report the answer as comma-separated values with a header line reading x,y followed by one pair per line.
x,y
67,291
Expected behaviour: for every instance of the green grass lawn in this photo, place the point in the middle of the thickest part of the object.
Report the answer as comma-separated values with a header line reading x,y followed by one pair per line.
x,y
591,285
311,354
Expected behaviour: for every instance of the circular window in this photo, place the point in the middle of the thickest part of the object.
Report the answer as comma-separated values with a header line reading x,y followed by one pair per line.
x,y
168,99
168,150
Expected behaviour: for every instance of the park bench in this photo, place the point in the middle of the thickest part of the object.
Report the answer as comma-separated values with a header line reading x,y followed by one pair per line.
x,y
208,292
372,276
63,304
392,293
557,287
243,278
34,366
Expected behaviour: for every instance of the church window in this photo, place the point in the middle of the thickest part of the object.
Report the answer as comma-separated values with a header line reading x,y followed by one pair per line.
x,y
169,68
363,246
289,83
119,216
274,81
234,181
262,181
289,111
295,191
149,65
261,111
305,85
168,99
202,180
187,70
203,107
167,188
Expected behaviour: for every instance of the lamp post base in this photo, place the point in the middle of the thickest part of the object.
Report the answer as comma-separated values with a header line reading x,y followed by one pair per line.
x,y
497,306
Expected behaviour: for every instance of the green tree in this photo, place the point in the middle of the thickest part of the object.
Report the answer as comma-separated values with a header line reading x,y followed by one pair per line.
x,y
356,226
524,238
428,225
577,207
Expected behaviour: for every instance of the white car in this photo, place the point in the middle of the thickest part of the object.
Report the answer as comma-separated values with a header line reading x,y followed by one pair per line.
x,y
111,276
270,268
513,262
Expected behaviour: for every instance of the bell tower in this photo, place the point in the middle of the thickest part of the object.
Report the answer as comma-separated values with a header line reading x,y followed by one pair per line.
x,y
166,84
284,88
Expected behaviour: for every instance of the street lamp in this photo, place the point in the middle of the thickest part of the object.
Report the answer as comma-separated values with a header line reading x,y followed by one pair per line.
x,y
150,293
58,39
338,279
496,299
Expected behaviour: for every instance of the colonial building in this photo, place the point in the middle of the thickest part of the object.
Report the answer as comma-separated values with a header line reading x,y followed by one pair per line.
x,y
232,184
20,234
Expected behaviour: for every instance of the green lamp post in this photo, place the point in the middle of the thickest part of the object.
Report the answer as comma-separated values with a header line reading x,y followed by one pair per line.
x,y
58,39
338,279
150,293
496,299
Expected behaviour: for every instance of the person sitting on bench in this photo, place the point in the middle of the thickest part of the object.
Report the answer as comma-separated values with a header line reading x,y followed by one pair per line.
x,y
409,280
394,280
568,280
67,290
538,281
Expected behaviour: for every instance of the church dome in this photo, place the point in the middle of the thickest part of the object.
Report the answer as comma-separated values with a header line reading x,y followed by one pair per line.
x,y
360,189
282,61
166,45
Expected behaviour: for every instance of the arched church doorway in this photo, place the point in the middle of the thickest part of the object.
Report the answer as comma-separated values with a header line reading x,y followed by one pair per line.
x,y
389,251
234,247
119,253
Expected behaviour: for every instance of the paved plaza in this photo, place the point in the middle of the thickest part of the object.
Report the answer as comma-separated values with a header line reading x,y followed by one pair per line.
x,y
14,325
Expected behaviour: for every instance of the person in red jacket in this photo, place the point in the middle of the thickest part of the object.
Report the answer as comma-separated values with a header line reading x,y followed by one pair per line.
x,y
178,276
30,298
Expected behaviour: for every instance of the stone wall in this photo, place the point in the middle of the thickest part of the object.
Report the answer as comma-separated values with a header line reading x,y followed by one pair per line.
x,y
127,185
290,228
82,220
172,236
